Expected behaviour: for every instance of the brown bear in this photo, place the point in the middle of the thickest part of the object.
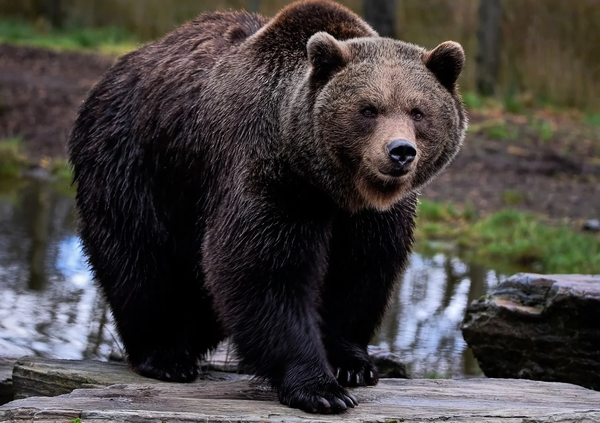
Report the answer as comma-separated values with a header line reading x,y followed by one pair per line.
x,y
257,179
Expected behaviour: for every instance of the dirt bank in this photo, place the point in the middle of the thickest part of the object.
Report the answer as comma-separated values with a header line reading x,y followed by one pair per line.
x,y
40,91
506,161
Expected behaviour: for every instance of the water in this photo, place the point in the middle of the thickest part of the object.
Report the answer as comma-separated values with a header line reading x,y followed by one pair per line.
x,y
50,307
422,324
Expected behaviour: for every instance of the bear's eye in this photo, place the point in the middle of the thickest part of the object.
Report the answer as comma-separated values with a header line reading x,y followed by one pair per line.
x,y
416,115
369,112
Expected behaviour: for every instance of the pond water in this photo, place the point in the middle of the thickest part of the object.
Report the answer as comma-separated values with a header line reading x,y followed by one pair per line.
x,y
50,307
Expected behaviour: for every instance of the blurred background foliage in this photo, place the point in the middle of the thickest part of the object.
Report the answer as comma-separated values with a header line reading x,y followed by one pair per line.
x,y
537,51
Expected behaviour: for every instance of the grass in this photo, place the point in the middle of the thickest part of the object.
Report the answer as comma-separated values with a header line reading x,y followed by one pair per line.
x,y
544,128
473,101
592,119
498,129
13,161
61,170
511,197
108,40
511,239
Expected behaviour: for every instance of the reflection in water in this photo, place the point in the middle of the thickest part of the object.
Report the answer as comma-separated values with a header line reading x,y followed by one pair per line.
x,y
50,306
422,324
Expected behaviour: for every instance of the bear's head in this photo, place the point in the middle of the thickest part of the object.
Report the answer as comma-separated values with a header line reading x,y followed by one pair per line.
x,y
385,114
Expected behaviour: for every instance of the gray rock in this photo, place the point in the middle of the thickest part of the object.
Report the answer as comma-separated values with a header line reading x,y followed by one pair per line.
x,y
390,365
592,225
542,327
6,383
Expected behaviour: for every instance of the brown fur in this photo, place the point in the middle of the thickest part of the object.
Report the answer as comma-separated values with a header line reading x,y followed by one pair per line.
x,y
393,77
231,183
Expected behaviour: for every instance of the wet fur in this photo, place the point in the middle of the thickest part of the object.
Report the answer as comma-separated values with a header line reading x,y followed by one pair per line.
x,y
208,209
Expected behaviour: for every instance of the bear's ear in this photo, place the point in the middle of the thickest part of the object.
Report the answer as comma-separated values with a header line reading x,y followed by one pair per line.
x,y
326,55
446,61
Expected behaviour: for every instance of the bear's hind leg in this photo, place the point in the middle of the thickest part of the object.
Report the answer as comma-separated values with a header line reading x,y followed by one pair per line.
x,y
190,333
194,331
368,251
153,323
162,313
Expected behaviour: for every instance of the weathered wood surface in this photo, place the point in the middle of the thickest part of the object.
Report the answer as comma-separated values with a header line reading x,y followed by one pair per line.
x,y
541,327
35,376
477,400
470,400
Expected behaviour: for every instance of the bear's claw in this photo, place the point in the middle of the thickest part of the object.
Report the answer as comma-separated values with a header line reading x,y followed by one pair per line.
x,y
328,399
365,374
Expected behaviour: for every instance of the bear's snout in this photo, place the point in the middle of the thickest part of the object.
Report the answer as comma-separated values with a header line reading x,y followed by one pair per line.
x,y
401,154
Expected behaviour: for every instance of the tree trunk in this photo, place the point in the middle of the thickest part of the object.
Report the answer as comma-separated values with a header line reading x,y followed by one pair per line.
x,y
489,38
53,11
255,6
381,15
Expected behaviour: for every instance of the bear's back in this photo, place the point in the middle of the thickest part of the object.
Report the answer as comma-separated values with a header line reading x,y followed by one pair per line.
x,y
150,94
209,36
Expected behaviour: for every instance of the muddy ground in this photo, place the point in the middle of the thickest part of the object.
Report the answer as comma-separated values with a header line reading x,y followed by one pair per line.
x,y
548,164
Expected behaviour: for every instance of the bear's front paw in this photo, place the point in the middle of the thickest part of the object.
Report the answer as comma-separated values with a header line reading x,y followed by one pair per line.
x,y
324,398
362,373
169,364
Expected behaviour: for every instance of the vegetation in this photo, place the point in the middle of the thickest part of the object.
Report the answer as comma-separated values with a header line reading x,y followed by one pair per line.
x,y
13,162
12,159
108,40
535,129
512,238
552,59
519,117
592,119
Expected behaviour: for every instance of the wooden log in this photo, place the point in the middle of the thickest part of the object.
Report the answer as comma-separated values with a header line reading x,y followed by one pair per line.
x,y
35,376
542,327
393,400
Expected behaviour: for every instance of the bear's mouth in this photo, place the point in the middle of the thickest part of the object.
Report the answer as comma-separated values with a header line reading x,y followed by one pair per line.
x,y
395,172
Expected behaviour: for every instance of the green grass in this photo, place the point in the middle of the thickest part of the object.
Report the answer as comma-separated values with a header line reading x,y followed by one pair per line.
x,y
496,128
107,40
511,239
592,120
498,132
434,375
12,159
500,129
61,170
473,101
512,197
544,129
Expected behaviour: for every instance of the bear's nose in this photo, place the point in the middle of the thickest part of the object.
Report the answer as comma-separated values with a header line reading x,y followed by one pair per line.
x,y
402,152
